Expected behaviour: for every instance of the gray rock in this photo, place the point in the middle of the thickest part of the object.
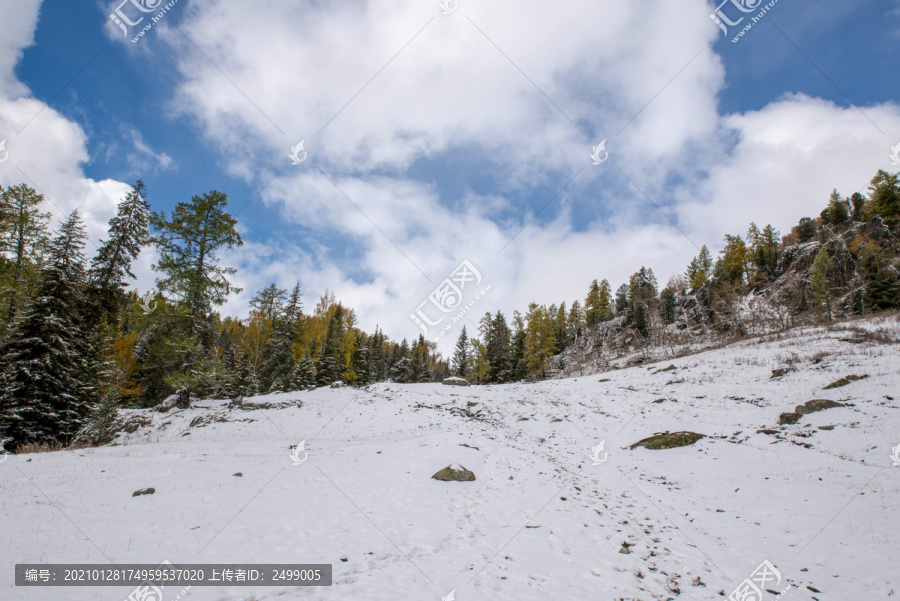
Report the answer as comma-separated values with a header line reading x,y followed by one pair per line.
x,y
454,381
454,473
668,440
144,491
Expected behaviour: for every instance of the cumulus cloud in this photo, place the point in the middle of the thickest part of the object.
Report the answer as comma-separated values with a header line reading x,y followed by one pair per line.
x,y
526,91
384,94
46,150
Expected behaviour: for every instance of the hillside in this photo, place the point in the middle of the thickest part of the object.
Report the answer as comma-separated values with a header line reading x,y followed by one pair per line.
x,y
817,498
862,279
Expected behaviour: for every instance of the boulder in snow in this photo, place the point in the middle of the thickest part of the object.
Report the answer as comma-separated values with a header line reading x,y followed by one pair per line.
x,y
337,384
143,491
454,381
454,473
669,440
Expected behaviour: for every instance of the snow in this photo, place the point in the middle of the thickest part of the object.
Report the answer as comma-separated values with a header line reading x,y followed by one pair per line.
x,y
540,522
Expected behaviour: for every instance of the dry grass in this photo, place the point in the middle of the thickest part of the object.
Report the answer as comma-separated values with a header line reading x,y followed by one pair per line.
x,y
29,448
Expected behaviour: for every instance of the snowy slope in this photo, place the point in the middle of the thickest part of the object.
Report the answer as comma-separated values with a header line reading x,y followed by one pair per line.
x,y
541,521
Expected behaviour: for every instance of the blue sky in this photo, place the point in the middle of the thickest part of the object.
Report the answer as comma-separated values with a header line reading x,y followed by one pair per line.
x,y
467,133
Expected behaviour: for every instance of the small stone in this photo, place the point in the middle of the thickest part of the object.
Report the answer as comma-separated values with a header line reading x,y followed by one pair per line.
x,y
471,403
144,491
238,475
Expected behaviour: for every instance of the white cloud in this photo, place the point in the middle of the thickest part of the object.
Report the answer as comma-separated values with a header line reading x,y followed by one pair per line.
x,y
46,150
451,89
292,67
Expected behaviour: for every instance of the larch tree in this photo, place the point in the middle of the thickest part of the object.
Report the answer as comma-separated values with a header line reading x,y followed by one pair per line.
x,y
23,236
188,244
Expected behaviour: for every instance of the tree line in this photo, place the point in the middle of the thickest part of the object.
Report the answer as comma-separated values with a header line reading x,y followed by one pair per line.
x,y
526,346
76,344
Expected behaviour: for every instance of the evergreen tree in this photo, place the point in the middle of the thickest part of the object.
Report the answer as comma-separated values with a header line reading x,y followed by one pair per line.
x,y
884,201
188,244
293,311
517,357
622,301
46,392
23,236
806,230
461,366
821,286
882,282
277,372
575,323
128,231
858,207
304,376
837,210
667,305
593,310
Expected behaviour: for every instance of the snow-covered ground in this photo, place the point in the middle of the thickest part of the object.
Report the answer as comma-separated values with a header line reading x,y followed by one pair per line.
x,y
542,521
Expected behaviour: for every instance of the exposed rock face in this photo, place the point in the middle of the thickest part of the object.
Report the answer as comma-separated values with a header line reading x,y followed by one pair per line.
x,y
706,317
454,473
454,381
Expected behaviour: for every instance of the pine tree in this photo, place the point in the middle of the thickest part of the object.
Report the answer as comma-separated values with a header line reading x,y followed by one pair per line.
x,y
128,231
46,388
304,376
622,301
882,282
278,368
293,311
884,201
667,305
821,286
461,366
593,309
806,230
575,323
857,207
837,210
